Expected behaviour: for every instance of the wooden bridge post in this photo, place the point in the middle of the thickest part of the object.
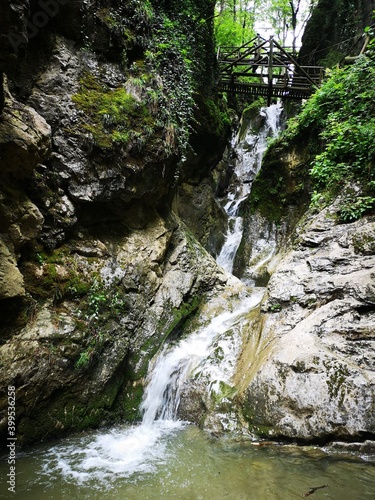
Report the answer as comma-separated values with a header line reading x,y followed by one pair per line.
x,y
270,72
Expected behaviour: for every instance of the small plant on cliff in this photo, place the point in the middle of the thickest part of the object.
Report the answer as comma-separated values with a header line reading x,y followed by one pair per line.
x,y
355,207
101,305
104,301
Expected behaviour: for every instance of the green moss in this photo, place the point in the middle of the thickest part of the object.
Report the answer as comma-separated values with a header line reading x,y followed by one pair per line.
x,y
217,115
84,416
57,256
281,185
225,392
106,16
110,115
169,325
64,412
131,402
255,424
53,285
364,243
275,307
336,378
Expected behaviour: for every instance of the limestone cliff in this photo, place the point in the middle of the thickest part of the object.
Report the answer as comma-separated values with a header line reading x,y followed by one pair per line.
x,y
98,102
307,371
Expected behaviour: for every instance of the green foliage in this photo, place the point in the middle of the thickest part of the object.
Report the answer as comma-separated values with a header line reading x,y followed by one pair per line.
x,y
331,59
355,207
101,305
104,302
83,360
181,55
234,28
58,279
341,114
173,45
275,307
235,20
217,116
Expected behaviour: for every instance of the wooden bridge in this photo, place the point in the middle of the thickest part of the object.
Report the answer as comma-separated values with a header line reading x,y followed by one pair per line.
x,y
265,68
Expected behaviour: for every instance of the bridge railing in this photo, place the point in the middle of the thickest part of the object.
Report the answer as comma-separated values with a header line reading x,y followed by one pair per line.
x,y
266,67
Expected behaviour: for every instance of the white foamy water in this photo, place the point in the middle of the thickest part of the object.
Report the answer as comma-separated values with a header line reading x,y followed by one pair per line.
x,y
138,450
249,153
120,452
176,364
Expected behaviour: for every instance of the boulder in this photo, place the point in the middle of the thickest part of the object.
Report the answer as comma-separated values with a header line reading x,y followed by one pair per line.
x,y
311,374
11,280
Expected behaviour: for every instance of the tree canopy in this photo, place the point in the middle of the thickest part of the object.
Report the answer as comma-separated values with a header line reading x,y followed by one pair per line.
x,y
237,21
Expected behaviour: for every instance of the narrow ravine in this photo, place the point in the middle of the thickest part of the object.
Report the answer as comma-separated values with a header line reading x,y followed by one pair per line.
x,y
136,450
166,457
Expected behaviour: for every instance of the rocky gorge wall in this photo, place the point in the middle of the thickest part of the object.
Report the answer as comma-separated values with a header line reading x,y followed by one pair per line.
x,y
96,271
307,368
335,30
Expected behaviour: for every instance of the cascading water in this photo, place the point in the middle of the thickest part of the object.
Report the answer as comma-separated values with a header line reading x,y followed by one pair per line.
x,y
142,448
191,357
249,153
165,458
139,448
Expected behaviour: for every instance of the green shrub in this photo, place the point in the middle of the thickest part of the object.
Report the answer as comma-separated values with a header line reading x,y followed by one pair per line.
x,y
341,117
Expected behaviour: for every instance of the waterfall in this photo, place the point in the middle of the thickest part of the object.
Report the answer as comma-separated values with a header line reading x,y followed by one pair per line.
x,y
140,449
249,153
207,356
191,357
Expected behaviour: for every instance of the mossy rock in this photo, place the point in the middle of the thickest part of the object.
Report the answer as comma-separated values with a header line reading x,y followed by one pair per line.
x,y
282,183
112,116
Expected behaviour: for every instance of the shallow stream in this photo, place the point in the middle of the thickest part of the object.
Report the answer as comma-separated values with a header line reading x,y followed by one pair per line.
x,y
173,460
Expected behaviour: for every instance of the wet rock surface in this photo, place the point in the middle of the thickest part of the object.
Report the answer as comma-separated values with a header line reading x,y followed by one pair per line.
x,y
95,271
79,358
311,376
25,140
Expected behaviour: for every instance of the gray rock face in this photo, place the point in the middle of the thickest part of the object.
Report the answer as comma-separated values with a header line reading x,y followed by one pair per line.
x,y
13,30
25,140
11,280
80,359
92,278
311,375
200,211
